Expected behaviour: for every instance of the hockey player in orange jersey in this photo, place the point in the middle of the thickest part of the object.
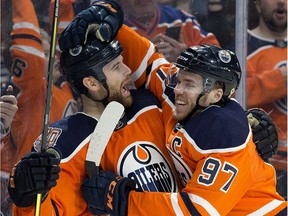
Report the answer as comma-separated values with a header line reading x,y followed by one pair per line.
x,y
135,150
211,146
267,74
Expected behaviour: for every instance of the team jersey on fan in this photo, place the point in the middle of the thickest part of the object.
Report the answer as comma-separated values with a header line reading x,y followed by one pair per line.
x,y
267,87
136,149
28,65
65,13
166,16
222,173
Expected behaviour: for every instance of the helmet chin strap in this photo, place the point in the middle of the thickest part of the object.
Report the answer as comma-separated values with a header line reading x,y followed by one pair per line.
x,y
195,110
208,84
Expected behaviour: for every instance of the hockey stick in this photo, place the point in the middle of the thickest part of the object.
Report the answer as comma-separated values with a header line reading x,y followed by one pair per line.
x,y
50,76
101,135
48,92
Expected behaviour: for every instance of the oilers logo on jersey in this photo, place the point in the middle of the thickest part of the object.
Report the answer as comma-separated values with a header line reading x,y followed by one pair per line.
x,y
147,166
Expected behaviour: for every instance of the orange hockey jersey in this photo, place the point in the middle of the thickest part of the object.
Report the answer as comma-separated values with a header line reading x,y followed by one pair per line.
x,y
255,184
136,149
267,87
222,173
28,65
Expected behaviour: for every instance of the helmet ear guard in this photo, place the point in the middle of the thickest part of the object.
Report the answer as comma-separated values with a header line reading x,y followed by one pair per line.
x,y
208,84
214,64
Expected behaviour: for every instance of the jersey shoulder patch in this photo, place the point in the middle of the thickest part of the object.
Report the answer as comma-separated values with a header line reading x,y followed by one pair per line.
x,y
68,133
219,127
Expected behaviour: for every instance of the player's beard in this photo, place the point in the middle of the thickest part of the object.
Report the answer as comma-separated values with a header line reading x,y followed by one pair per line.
x,y
117,96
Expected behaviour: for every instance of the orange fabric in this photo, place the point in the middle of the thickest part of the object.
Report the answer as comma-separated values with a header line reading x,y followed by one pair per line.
x,y
265,79
267,88
253,187
28,70
122,143
65,13
122,155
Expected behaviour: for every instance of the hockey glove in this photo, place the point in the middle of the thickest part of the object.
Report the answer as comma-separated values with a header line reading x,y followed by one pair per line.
x,y
107,193
264,132
103,18
37,172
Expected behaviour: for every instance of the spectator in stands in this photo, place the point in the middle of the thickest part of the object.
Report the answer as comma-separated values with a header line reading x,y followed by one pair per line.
x,y
8,109
218,21
29,56
172,3
180,4
267,74
151,20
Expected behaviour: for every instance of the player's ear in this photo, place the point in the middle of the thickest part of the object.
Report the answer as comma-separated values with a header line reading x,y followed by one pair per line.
x,y
216,95
91,83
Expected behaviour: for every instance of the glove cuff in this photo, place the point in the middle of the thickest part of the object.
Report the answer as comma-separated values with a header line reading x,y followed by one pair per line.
x,y
118,194
20,199
115,6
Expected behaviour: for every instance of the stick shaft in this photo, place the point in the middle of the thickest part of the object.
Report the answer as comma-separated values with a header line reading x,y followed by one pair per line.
x,y
50,76
48,92
38,204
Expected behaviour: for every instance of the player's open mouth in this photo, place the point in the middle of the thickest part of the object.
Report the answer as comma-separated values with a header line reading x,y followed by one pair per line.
x,y
179,102
180,105
126,88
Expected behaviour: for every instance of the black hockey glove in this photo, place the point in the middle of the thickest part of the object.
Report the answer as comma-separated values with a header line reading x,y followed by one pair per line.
x,y
264,131
37,172
107,193
103,18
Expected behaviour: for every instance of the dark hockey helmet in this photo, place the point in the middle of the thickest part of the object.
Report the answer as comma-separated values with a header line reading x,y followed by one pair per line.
x,y
88,60
213,64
